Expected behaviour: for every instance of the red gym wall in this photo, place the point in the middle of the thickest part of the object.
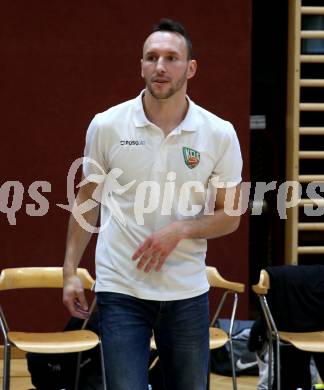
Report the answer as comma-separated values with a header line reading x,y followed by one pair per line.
x,y
63,61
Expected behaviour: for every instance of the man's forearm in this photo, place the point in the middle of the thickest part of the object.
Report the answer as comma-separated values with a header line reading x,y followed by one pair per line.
x,y
221,222
77,241
208,226
154,251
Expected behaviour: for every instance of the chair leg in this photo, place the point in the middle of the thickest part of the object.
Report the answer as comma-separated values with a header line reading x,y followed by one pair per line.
x,y
274,366
6,366
278,364
77,376
77,372
270,363
103,370
233,364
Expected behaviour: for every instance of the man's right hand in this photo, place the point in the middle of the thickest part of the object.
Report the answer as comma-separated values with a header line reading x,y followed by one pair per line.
x,y
74,298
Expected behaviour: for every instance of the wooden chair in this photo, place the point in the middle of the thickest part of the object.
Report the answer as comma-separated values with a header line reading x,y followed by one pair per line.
x,y
305,341
56,342
218,337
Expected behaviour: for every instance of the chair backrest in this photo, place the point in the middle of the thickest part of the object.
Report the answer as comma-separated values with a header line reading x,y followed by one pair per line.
x,y
295,296
39,277
216,280
264,283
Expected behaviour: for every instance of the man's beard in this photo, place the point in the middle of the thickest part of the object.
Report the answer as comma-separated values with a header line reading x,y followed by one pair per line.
x,y
171,91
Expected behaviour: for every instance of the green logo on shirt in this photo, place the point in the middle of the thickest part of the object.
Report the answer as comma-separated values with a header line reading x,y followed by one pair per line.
x,y
191,157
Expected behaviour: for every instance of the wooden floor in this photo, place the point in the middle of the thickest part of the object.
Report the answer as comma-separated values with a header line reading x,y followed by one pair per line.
x,y
20,379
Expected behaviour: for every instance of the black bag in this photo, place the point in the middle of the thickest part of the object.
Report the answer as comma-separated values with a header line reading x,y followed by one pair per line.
x,y
155,373
245,360
57,371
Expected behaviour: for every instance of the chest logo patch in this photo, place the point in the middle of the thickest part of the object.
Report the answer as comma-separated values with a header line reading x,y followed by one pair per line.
x,y
191,157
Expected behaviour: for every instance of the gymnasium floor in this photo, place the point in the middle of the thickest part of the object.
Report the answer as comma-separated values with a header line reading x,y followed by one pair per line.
x,y
20,379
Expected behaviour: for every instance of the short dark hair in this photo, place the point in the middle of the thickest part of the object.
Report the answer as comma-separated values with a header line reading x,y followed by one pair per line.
x,y
176,27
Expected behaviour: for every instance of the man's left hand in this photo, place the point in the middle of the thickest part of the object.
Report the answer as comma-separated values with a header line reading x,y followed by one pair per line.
x,y
157,247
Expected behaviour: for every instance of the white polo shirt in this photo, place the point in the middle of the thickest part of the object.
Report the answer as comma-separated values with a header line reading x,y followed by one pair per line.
x,y
161,179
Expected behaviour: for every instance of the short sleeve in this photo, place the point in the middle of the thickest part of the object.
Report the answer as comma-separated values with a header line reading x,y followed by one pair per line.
x,y
94,161
228,169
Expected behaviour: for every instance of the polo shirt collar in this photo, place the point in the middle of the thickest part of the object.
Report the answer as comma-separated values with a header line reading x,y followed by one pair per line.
x,y
189,123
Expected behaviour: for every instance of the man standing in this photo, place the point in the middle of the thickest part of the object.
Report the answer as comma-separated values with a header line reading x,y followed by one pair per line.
x,y
150,264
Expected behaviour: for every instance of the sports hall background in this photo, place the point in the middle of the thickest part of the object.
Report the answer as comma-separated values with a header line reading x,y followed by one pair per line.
x,y
63,61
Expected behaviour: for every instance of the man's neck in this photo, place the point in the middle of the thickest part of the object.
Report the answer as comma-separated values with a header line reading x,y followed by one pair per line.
x,y
168,113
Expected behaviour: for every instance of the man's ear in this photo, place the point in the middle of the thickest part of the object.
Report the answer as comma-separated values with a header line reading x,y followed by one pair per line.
x,y
142,68
192,68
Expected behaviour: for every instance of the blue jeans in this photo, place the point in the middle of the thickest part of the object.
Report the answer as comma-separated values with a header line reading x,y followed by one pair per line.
x,y
181,330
